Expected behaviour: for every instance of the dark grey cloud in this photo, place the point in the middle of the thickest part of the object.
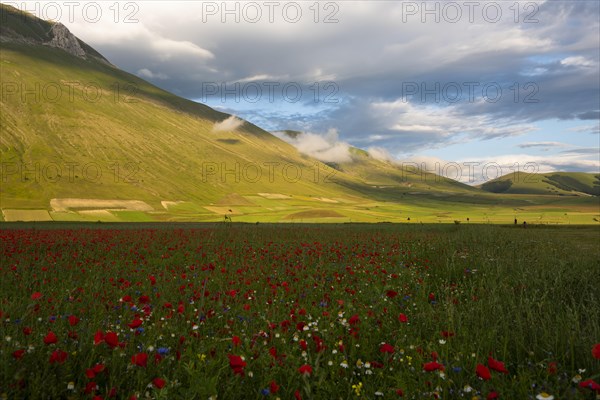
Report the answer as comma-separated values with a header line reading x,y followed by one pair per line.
x,y
584,151
542,145
590,115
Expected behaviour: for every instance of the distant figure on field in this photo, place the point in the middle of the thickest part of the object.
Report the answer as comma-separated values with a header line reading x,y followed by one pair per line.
x,y
515,221
524,224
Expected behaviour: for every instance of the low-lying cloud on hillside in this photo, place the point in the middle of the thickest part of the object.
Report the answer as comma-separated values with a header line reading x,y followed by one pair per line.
x,y
230,124
381,154
326,148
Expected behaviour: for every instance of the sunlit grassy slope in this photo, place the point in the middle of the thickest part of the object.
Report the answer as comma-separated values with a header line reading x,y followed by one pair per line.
x,y
90,130
82,140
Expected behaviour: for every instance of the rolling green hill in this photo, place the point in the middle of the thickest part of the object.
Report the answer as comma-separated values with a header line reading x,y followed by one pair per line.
x,y
551,183
82,140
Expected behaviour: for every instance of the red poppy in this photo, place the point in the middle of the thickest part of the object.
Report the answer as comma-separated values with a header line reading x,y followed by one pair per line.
x,y
492,395
99,368
552,368
400,392
433,366
297,395
111,339
18,354
590,384
135,323
354,320
596,351
303,345
391,294
27,331
483,372
497,366
36,295
237,364
50,338
140,359
144,299
98,337
305,370
285,324
273,352
447,334
273,387
158,383
319,344
58,357
73,320
403,318
236,341
90,387
386,348
152,280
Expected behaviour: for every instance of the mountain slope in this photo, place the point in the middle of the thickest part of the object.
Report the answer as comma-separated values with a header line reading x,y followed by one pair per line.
x,y
78,127
551,183
80,112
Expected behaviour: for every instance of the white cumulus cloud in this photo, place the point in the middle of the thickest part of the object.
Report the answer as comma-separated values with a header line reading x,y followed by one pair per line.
x,y
146,73
326,148
381,154
230,124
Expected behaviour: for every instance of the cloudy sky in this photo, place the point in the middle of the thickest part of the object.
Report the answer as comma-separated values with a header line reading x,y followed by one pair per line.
x,y
481,81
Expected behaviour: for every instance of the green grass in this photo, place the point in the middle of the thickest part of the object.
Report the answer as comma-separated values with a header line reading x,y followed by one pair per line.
x,y
528,297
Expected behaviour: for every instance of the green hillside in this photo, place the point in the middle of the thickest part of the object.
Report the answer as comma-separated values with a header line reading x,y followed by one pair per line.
x,y
82,140
551,183
147,144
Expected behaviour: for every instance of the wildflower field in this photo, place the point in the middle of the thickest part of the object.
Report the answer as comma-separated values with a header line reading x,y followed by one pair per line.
x,y
240,311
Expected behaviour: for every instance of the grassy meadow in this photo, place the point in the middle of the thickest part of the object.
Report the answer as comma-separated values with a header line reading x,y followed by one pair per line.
x,y
311,311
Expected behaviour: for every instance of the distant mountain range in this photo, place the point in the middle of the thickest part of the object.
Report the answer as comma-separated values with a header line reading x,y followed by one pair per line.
x,y
83,140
